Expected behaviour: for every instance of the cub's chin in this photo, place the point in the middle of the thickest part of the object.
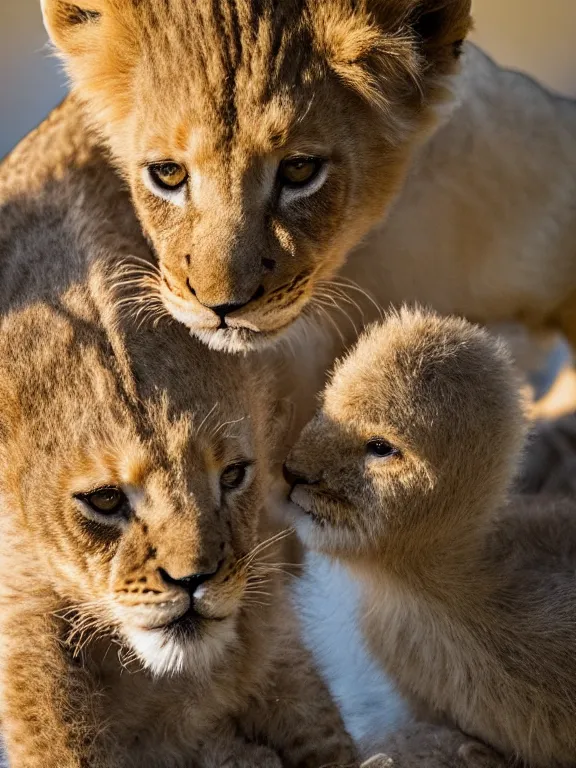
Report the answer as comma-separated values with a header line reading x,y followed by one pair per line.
x,y
237,337
245,340
314,524
183,648
236,340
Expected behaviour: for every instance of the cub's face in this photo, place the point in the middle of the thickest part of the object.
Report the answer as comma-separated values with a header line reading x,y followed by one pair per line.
x,y
158,537
417,435
357,485
139,493
260,140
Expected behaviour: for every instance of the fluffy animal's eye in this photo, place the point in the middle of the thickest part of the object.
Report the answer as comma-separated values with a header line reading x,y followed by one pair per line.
x,y
381,448
168,175
299,171
105,501
234,475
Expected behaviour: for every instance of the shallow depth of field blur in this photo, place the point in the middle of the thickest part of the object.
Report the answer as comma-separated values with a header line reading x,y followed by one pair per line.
x,y
538,36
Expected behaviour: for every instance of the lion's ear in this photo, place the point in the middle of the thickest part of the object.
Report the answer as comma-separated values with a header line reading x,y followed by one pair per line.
x,y
97,47
385,49
73,27
439,26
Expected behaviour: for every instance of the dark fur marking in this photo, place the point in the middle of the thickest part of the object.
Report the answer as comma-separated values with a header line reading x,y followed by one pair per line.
x,y
76,15
229,60
280,289
428,25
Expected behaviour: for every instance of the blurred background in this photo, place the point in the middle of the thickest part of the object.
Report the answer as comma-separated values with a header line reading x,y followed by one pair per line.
x,y
538,36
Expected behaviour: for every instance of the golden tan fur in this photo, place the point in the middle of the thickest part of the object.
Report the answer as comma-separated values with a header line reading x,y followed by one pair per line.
x,y
469,599
65,140
244,85
93,672
475,217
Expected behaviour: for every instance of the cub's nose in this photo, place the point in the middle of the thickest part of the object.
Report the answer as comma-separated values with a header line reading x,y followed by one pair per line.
x,y
158,599
225,309
222,310
297,477
188,583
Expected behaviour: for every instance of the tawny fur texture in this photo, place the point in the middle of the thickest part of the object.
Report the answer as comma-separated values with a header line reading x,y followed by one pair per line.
x,y
455,190
378,718
63,146
468,596
65,140
154,631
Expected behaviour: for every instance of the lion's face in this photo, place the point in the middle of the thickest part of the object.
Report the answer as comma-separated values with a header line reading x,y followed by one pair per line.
x,y
140,490
242,249
356,483
416,438
261,140
162,532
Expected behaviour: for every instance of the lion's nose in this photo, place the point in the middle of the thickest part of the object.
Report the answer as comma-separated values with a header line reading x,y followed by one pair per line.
x,y
223,310
160,599
188,583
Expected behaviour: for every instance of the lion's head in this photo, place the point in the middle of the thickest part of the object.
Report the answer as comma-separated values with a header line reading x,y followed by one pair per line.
x,y
261,140
415,442
134,466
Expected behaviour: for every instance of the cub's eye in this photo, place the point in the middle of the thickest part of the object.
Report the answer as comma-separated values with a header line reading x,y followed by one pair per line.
x,y
105,501
168,175
299,171
234,475
381,448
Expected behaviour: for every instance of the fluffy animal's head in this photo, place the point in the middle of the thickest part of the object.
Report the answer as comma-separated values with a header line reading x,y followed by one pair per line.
x,y
417,438
134,466
261,140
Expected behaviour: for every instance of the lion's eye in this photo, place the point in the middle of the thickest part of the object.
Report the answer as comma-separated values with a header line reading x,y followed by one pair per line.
x,y
105,501
381,448
298,171
168,175
234,475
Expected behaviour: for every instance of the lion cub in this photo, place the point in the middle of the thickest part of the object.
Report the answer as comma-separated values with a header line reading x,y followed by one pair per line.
x,y
265,141
142,621
470,599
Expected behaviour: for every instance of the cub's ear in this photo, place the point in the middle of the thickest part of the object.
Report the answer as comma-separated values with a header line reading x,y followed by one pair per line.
x,y
387,50
73,27
96,42
439,26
